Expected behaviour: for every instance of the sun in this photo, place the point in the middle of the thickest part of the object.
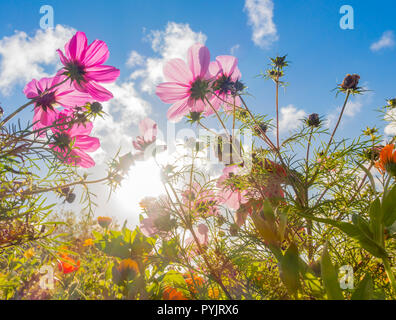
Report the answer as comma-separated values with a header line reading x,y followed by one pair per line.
x,y
143,180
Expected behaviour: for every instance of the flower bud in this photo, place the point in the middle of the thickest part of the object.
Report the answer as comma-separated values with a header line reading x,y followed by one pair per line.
x,y
350,82
391,103
71,197
104,222
313,120
96,107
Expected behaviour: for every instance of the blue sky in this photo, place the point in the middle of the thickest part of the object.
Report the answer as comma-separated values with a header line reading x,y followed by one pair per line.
x,y
308,31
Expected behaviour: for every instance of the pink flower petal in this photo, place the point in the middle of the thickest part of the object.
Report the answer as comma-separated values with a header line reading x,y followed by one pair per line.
x,y
214,69
96,91
30,89
198,60
62,57
80,158
80,129
148,129
228,64
170,92
97,53
87,143
104,74
176,70
178,110
76,47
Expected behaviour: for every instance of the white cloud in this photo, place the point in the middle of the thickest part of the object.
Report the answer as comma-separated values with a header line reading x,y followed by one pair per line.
x,y
123,113
173,42
260,18
290,118
234,49
353,107
387,40
24,57
390,116
135,59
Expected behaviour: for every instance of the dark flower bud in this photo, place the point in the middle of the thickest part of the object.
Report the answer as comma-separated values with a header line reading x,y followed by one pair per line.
x,y
96,107
373,153
313,120
262,127
71,197
350,82
237,87
1,112
391,103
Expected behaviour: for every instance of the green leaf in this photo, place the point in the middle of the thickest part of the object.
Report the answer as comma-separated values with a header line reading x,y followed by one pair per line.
x,y
389,207
330,278
354,232
363,225
289,267
375,213
369,175
365,289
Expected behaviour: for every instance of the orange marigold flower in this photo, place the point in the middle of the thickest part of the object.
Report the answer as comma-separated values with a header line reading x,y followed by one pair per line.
x,y
67,264
104,222
173,294
193,282
387,160
214,293
88,243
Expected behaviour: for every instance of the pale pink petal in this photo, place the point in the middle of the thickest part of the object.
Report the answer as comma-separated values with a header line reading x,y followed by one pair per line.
x,y
148,129
177,111
198,60
197,105
147,227
236,75
104,74
176,70
228,64
214,69
202,234
170,92
97,53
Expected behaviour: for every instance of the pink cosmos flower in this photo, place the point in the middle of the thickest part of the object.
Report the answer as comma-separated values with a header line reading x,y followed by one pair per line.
x,y
203,201
158,221
202,235
148,131
225,72
47,93
271,189
188,83
229,194
83,63
73,142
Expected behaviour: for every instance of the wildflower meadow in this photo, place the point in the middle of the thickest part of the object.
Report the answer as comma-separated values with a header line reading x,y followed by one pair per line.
x,y
244,210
